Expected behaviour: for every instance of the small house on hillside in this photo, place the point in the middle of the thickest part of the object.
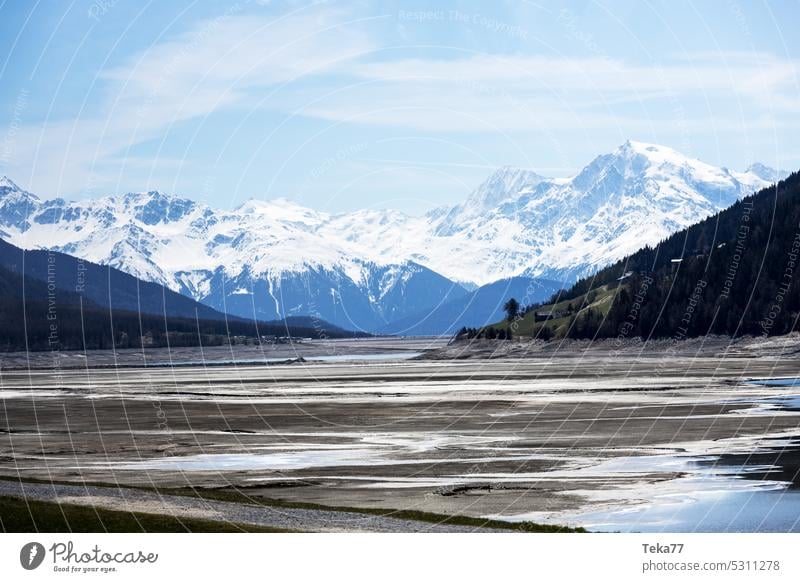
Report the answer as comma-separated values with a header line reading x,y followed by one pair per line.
x,y
548,315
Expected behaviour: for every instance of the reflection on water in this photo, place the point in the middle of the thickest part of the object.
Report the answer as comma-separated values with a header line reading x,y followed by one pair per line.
x,y
742,511
771,505
791,382
745,484
775,460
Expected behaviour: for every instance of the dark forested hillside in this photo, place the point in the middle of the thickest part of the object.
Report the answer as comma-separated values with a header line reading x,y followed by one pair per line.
x,y
49,318
100,284
735,273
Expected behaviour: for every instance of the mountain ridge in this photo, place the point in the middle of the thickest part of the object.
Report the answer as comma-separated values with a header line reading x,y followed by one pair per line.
x,y
277,258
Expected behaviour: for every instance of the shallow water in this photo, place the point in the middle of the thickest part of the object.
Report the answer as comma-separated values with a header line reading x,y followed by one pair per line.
x,y
749,486
734,492
790,382
741,511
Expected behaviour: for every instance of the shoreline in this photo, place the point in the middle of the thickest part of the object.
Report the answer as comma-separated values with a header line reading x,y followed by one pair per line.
x,y
706,346
441,349
290,353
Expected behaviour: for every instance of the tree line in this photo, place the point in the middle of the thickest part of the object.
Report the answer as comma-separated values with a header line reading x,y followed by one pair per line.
x,y
491,333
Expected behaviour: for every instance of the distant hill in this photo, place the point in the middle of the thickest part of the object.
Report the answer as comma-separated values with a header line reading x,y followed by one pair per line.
x,y
735,273
63,305
101,285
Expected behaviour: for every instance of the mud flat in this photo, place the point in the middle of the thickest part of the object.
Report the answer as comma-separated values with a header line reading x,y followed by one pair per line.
x,y
268,353
581,439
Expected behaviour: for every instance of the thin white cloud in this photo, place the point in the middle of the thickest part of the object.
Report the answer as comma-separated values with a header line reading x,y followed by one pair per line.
x,y
250,61
214,66
484,92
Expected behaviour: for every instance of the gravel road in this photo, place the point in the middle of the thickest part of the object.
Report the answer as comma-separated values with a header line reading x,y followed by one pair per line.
x,y
308,520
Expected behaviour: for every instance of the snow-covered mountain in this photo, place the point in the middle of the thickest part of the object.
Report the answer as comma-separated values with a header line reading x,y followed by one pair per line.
x,y
16,207
266,260
364,269
636,195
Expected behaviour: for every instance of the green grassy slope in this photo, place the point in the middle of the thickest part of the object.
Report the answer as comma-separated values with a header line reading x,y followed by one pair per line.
x,y
598,301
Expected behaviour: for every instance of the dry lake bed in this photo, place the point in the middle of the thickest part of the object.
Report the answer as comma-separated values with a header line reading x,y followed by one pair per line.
x,y
621,442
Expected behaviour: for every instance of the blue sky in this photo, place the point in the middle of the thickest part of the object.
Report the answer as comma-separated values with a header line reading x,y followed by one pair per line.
x,y
381,104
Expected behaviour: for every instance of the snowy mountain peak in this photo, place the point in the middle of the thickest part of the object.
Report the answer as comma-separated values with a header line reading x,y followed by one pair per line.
x,y
766,173
280,210
10,193
653,157
9,190
637,156
16,206
503,184
6,184
646,148
154,207
669,172
260,205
